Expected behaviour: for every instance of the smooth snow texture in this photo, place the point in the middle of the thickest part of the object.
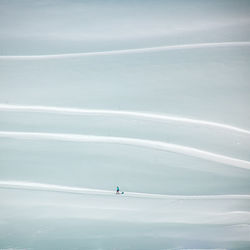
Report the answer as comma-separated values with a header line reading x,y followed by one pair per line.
x,y
131,141
130,51
153,97
77,111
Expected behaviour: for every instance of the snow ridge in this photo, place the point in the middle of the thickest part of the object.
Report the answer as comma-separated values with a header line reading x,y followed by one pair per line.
x,y
156,145
128,51
151,116
79,190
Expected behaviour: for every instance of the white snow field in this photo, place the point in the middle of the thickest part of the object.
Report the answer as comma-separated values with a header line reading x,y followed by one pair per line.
x,y
152,96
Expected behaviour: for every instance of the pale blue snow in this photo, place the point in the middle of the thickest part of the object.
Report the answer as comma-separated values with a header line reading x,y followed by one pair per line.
x,y
153,96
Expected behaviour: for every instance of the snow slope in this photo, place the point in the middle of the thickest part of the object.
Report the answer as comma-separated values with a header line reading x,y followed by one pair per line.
x,y
152,96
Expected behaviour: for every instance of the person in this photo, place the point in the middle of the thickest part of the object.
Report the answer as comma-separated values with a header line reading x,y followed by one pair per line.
x,y
117,190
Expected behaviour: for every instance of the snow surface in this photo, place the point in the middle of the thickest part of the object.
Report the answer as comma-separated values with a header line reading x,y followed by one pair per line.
x,y
153,96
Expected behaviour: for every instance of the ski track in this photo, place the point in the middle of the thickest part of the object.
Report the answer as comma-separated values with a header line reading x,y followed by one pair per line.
x,y
77,190
151,116
156,145
127,51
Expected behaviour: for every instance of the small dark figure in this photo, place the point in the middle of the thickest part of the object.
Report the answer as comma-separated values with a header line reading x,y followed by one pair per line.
x,y
117,190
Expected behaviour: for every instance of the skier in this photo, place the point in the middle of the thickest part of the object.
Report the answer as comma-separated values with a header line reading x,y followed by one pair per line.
x,y
117,190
